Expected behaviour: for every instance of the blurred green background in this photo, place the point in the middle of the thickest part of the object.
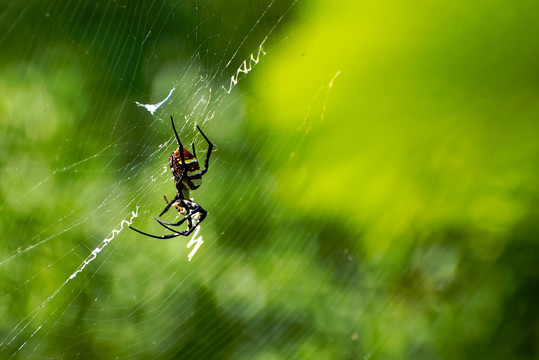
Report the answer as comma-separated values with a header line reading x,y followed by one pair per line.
x,y
373,194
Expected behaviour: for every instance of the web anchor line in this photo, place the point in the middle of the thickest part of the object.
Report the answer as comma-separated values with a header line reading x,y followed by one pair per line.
x,y
93,255
245,67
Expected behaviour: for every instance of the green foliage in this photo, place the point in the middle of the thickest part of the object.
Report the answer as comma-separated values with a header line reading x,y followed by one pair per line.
x,y
373,193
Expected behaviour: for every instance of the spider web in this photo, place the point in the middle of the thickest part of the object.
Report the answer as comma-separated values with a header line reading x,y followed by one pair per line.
x,y
150,61
372,192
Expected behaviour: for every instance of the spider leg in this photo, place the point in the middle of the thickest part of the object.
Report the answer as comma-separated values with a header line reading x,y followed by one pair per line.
x,y
163,237
194,151
188,217
188,231
169,204
182,233
175,205
194,208
191,227
178,140
176,223
192,211
208,154
164,224
180,147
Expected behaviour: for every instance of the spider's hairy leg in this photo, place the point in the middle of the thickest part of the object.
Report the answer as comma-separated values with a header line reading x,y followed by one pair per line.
x,y
194,151
194,209
201,218
163,237
180,146
191,228
208,154
175,132
164,223
169,204
182,233
174,205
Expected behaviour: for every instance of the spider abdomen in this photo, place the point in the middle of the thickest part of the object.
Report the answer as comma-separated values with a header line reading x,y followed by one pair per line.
x,y
193,176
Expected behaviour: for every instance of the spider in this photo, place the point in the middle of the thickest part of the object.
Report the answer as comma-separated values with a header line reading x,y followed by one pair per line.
x,y
187,176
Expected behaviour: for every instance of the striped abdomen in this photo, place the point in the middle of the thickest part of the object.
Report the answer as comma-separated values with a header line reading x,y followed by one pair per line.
x,y
193,177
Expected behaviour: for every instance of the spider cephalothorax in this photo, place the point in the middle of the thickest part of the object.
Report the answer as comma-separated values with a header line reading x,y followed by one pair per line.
x,y
187,176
